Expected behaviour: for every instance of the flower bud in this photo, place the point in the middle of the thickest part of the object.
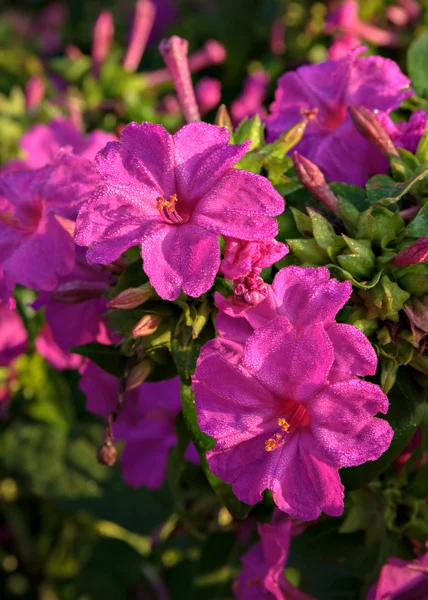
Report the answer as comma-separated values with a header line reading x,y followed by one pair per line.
x,y
34,92
139,374
107,454
102,39
74,292
223,118
174,52
369,127
131,298
211,53
314,181
250,289
292,136
146,326
416,253
144,16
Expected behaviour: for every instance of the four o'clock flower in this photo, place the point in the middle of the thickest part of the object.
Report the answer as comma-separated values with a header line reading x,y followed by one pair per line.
x,y
174,195
279,391
262,574
145,423
37,209
13,335
331,140
402,580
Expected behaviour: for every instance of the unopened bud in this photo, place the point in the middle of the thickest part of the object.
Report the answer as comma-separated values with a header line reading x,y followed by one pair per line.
x,y
223,118
292,136
107,454
368,125
416,253
34,92
138,374
131,298
102,38
146,326
174,52
144,16
314,181
211,53
74,292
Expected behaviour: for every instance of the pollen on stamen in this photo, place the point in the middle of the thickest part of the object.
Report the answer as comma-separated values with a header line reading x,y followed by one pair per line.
x,y
270,444
283,424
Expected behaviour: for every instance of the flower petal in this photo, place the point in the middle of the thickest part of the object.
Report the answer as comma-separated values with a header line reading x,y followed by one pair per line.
x,y
353,353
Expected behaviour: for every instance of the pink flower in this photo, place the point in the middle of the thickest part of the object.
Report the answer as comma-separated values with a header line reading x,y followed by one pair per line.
x,y
13,335
406,134
400,579
262,574
60,359
144,17
241,257
324,91
250,102
208,94
174,195
36,213
416,253
146,422
42,142
279,391
103,36
74,312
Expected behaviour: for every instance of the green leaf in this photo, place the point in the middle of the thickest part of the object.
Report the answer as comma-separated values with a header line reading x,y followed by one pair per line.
x,y
323,231
354,194
349,215
250,129
414,279
382,189
108,358
419,226
303,222
417,64
308,252
407,399
344,275
359,259
379,225
133,276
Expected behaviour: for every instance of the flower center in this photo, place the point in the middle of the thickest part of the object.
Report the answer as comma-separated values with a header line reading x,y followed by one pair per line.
x,y
299,418
332,118
168,211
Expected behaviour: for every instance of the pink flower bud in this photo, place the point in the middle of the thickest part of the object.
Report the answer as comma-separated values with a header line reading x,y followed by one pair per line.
x,y
73,52
212,53
107,454
102,38
174,52
250,289
73,292
169,104
314,181
131,298
208,94
34,92
144,16
146,326
249,103
416,253
368,125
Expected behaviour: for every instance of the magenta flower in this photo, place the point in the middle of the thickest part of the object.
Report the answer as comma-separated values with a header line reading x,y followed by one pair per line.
x,y
241,257
146,422
60,359
279,392
174,195
402,580
250,102
262,574
36,213
323,92
405,134
13,335
208,94
42,142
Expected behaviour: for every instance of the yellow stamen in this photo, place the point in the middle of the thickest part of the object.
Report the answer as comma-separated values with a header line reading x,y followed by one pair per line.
x,y
270,445
170,205
283,424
